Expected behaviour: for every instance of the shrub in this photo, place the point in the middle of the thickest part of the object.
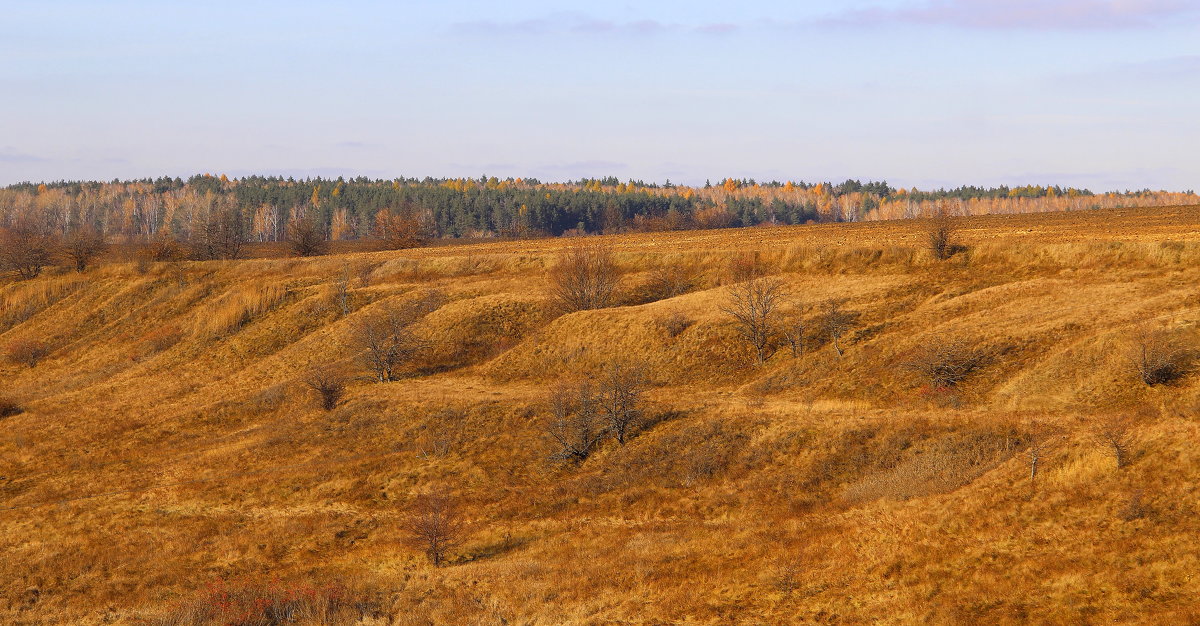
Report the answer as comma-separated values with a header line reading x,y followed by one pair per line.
x,y
162,338
28,352
747,266
9,407
1159,358
939,231
386,344
25,249
306,238
944,364
83,245
249,602
397,232
675,323
329,386
669,281
836,322
585,278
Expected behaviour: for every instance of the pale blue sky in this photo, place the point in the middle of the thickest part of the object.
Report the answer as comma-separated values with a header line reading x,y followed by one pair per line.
x,y
1094,93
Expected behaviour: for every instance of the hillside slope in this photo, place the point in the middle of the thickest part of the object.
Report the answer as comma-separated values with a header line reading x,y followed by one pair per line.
x,y
168,440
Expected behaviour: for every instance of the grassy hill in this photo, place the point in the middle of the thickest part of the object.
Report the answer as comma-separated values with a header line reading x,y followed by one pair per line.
x,y
168,454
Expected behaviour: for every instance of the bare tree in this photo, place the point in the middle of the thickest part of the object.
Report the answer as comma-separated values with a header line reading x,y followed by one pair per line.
x,y
836,322
584,278
1158,357
26,249
621,387
939,231
794,333
306,238
575,427
435,525
945,363
341,290
1116,434
385,342
1043,437
329,386
753,306
83,245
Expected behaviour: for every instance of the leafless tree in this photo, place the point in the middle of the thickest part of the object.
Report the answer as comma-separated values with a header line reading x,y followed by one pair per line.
x,y
386,343
1043,437
397,232
1116,433
329,386
584,278
945,363
83,245
1158,357
794,333
753,306
435,525
306,238
575,427
620,397
836,322
221,236
341,290
26,249
940,233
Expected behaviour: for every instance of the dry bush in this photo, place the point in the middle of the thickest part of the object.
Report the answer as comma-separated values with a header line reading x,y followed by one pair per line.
x,y
306,238
753,306
939,231
575,427
163,249
940,466
836,322
1116,434
9,407
621,385
249,602
397,232
27,352
341,290
1158,357
435,525
944,363
669,281
329,386
83,245
26,249
747,266
674,323
1134,507
585,278
162,338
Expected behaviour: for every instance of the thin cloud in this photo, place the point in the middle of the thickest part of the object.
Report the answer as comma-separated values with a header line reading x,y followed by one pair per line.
x,y
10,155
1028,14
563,23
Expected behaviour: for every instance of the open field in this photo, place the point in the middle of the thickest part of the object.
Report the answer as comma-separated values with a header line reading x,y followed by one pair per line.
x,y
168,440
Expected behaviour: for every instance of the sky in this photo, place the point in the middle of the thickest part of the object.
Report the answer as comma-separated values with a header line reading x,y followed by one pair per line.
x,y
1099,94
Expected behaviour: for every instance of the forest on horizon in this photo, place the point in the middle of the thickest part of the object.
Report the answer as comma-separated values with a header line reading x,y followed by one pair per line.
x,y
261,209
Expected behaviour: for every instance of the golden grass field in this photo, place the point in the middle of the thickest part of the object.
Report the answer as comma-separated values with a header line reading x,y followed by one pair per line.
x,y
168,441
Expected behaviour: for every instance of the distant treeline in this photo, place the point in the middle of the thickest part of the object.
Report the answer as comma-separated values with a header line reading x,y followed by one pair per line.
x,y
260,208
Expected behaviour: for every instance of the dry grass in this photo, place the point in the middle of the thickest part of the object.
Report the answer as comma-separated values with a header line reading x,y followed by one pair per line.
x,y
152,460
